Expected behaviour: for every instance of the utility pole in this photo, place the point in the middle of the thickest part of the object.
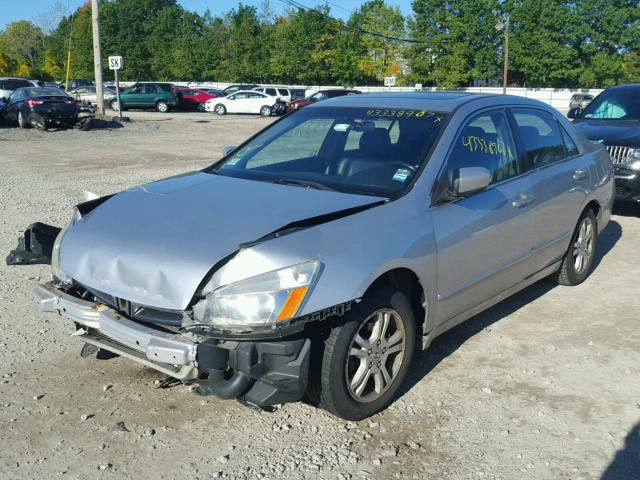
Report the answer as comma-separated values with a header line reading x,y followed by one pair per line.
x,y
504,26
95,20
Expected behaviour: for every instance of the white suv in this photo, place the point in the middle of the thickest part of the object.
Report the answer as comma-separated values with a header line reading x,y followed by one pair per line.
x,y
282,93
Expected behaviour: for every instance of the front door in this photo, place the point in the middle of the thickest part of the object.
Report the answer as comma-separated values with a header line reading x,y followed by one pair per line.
x,y
484,240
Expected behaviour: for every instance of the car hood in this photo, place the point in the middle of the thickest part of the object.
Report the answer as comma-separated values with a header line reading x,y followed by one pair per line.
x,y
154,244
611,132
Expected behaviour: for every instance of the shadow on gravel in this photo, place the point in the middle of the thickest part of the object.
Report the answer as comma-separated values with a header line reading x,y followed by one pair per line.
x,y
606,241
449,342
627,209
98,123
626,464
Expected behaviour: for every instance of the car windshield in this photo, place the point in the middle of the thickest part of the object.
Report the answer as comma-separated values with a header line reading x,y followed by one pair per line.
x,y
619,104
366,151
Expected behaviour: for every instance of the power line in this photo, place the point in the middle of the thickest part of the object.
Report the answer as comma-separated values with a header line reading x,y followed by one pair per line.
x,y
344,26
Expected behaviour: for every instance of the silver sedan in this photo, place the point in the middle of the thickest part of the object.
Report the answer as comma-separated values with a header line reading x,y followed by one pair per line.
x,y
318,256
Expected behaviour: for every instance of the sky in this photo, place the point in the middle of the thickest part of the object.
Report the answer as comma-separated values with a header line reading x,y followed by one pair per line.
x,y
33,9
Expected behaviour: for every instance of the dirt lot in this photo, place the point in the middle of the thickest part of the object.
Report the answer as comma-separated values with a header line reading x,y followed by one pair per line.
x,y
545,385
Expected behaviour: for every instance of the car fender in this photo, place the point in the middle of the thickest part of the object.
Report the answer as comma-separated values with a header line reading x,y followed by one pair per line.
x,y
354,251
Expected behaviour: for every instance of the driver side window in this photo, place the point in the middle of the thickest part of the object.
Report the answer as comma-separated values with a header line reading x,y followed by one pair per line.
x,y
302,141
486,142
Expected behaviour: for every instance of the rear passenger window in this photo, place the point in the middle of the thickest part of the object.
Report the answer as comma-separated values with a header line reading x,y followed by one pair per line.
x,y
569,145
540,136
486,142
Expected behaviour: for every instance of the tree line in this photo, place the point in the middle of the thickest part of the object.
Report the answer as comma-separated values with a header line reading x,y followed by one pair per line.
x,y
449,44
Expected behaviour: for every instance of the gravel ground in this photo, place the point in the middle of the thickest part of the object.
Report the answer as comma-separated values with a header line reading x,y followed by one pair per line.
x,y
543,386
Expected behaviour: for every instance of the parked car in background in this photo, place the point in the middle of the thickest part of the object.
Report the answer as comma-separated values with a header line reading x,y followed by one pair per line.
x,y
214,92
88,94
297,93
613,119
9,84
40,83
49,106
192,98
278,92
353,232
243,101
238,86
580,101
157,95
321,95
75,83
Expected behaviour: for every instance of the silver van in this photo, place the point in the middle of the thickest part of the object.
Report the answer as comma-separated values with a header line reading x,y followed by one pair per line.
x,y
318,256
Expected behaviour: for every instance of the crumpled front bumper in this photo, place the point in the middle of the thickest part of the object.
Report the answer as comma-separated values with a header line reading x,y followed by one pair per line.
x,y
103,327
265,372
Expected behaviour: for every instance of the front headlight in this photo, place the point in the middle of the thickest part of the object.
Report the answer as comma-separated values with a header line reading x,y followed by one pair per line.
x,y
55,259
259,302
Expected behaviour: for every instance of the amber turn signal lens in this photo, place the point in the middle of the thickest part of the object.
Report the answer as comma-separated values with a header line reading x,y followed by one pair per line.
x,y
292,303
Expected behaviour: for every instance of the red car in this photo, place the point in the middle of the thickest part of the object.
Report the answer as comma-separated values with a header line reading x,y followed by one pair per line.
x,y
321,95
192,98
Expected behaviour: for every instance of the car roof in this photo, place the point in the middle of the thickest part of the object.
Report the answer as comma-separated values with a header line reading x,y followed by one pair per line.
x,y
436,101
626,86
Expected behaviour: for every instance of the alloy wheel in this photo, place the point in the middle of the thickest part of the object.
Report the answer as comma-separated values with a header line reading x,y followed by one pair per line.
x,y
375,355
583,246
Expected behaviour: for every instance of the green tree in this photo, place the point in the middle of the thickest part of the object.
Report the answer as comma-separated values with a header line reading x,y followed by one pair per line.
x,y
304,47
460,41
23,43
364,57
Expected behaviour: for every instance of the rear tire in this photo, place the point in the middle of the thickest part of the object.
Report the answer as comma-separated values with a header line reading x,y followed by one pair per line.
x,y
162,106
577,262
265,111
22,122
114,105
366,358
220,109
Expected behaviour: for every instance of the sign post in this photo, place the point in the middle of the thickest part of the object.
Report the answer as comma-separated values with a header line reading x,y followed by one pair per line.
x,y
390,81
115,64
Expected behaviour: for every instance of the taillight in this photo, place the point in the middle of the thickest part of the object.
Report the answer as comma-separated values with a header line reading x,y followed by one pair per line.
x,y
32,103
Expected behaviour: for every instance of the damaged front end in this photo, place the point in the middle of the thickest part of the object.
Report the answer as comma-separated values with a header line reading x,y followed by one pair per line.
x,y
260,372
136,281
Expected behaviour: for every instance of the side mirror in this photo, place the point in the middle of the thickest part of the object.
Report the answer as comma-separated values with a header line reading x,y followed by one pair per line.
x,y
469,180
227,150
573,113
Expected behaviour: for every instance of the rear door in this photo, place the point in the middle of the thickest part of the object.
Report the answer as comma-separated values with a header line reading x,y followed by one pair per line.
x,y
560,178
484,240
149,95
260,100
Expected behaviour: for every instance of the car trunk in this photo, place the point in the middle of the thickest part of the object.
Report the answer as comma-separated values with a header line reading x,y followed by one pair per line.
x,y
54,106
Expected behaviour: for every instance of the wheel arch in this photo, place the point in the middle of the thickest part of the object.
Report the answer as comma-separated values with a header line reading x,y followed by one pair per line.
x,y
405,280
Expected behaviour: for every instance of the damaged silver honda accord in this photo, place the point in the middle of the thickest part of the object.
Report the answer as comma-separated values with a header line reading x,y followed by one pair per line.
x,y
317,256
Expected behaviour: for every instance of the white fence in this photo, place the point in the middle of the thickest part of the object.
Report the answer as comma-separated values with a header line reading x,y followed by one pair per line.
x,y
557,98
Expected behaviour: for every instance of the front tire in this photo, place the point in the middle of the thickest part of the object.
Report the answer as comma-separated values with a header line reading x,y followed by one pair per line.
x,y
114,105
577,262
162,106
366,358
220,109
